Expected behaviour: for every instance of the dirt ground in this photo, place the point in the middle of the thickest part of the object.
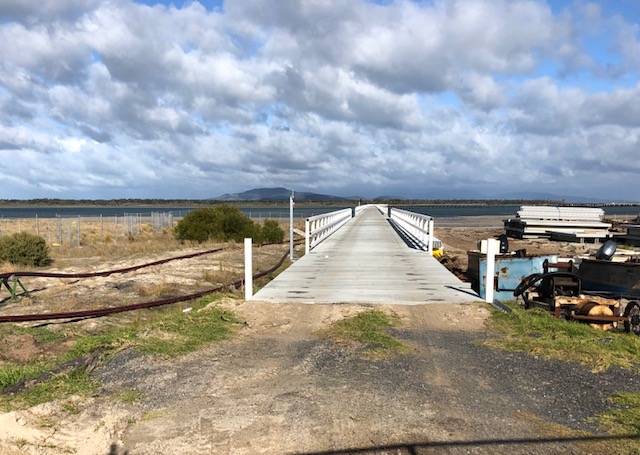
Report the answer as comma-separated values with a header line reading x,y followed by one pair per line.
x,y
280,387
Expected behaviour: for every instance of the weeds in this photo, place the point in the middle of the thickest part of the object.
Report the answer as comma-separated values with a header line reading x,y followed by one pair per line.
x,y
157,290
368,329
169,335
10,374
624,417
129,396
167,332
70,408
57,387
537,332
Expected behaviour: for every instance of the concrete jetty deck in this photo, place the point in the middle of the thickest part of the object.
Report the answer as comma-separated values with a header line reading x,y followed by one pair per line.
x,y
366,261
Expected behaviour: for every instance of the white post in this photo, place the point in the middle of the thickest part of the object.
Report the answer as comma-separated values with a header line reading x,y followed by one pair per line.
x,y
307,238
248,270
291,226
431,236
492,246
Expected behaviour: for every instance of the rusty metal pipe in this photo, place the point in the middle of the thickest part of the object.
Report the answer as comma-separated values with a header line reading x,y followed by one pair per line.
x,y
136,306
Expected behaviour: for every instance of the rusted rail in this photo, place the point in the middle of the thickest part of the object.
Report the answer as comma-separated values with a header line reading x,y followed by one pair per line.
x,y
108,272
136,306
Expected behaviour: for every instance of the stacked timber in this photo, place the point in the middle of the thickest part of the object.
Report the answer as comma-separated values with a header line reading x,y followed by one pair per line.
x,y
569,224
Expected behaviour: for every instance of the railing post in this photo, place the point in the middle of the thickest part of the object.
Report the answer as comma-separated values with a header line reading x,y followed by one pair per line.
x,y
248,270
307,236
430,236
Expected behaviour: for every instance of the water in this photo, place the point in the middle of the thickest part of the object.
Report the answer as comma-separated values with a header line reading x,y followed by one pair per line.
x,y
92,212
276,212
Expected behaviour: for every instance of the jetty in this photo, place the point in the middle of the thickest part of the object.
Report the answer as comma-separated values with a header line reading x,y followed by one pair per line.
x,y
372,259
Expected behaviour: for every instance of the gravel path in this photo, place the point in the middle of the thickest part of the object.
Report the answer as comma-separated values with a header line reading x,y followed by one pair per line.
x,y
282,389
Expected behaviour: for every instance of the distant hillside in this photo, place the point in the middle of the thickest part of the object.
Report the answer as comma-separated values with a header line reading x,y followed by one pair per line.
x,y
276,194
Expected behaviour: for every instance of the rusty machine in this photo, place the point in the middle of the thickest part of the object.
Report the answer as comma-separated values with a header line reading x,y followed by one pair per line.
x,y
558,290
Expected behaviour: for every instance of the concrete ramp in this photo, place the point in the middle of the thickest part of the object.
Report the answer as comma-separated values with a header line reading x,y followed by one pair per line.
x,y
366,261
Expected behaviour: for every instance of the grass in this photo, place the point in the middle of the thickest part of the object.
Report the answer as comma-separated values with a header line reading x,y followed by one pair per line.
x,y
61,386
129,396
169,335
369,331
538,333
167,332
623,419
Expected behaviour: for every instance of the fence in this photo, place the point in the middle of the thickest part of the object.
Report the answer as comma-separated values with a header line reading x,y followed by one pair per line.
x,y
72,231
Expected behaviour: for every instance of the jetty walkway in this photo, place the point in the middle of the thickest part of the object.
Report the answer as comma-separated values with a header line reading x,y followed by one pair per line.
x,y
367,261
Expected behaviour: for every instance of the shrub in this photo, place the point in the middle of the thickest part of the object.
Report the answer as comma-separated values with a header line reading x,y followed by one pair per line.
x,y
220,223
237,226
271,232
197,225
24,249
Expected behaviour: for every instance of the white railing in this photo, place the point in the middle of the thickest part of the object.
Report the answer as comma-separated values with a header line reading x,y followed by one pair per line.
x,y
417,226
319,227
360,208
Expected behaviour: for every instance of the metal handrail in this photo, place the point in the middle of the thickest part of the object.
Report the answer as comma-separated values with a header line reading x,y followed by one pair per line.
x,y
319,227
417,226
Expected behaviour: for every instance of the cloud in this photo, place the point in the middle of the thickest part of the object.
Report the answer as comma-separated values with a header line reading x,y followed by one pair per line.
x,y
121,99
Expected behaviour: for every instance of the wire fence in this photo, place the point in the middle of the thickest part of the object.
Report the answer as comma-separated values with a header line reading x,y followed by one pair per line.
x,y
74,230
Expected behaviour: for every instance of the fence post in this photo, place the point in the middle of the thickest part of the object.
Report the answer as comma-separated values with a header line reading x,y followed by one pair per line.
x,y
248,270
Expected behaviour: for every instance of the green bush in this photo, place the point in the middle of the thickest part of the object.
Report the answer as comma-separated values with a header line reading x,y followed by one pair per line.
x,y
24,249
271,232
221,223
198,225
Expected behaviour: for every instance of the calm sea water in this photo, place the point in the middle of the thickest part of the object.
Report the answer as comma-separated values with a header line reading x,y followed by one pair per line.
x,y
273,212
68,212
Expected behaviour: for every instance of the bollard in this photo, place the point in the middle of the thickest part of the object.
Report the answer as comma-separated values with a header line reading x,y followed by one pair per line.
x,y
492,247
248,270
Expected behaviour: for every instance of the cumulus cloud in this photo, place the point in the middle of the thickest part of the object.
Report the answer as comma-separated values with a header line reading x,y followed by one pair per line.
x,y
105,99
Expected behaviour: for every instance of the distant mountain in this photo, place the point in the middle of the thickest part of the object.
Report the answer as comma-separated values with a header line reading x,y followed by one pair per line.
x,y
275,194
389,198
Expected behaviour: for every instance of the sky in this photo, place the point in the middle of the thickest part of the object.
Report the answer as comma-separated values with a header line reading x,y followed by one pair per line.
x,y
110,99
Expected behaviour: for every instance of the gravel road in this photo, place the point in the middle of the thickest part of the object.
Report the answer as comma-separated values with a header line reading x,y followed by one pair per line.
x,y
281,389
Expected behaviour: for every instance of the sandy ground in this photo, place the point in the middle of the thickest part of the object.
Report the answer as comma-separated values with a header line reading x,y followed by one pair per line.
x,y
279,386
